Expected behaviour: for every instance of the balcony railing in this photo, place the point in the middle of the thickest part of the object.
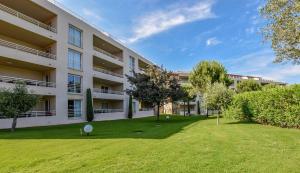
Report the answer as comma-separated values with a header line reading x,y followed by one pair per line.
x,y
34,114
74,88
107,72
98,90
8,79
26,49
27,18
101,111
108,54
74,113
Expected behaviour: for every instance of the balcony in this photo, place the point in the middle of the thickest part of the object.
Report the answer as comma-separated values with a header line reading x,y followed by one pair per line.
x,y
108,54
108,94
29,82
26,18
108,72
102,111
26,49
98,90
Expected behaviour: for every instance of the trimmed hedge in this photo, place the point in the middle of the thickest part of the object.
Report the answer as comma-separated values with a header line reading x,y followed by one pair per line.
x,y
278,106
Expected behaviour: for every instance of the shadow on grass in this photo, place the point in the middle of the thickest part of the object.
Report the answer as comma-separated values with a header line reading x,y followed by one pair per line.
x,y
144,128
242,122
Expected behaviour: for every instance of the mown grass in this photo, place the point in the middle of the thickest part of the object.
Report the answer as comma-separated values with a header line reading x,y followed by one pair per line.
x,y
180,144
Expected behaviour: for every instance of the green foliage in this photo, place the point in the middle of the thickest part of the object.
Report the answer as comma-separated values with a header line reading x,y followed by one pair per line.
x,y
279,106
218,97
89,106
130,108
282,28
16,101
207,73
248,85
153,87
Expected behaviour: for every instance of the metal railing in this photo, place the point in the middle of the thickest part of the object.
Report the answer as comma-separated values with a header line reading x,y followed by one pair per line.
x,y
27,18
8,79
74,88
99,90
73,113
107,53
101,111
107,72
26,49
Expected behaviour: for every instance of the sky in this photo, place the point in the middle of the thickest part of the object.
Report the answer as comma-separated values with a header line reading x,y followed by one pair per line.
x,y
180,33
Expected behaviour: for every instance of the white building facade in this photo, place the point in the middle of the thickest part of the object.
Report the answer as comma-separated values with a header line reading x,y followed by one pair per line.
x,y
59,56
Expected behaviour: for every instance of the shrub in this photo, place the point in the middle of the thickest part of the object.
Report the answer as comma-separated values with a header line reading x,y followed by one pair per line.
x,y
278,106
248,85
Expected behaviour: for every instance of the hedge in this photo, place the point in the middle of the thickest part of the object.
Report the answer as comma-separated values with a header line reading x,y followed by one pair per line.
x,y
279,106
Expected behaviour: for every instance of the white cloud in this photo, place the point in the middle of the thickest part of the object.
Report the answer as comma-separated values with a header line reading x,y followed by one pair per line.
x,y
91,15
163,20
261,64
212,41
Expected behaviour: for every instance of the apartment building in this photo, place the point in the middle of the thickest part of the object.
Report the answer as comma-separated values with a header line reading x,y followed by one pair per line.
x,y
59,56
183,77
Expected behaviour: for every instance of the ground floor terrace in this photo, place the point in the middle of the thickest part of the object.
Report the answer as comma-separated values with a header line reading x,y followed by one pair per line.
x,y
179,144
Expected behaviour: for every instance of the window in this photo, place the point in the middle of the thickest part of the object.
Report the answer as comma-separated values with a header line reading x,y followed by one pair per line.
x,y
75,36
74,59
74,83
74,108
131,64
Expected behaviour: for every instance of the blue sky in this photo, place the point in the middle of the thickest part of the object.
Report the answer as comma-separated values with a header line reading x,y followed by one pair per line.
x,y
180,33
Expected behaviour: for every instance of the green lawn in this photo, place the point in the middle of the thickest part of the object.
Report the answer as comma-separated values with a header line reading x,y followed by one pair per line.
x,y
180,144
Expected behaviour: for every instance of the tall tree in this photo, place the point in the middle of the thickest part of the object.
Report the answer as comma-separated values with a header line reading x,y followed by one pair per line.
x,y
152,87
283,28
89,106
207,73
15,102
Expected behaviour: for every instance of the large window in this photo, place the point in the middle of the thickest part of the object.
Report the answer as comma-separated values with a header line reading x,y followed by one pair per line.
x,y
131,64
75,36
74,83
74,59
74,108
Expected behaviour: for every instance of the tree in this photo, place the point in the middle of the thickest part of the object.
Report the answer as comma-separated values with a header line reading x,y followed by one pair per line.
x,y
218,97
283,28
15,102
89,106
130,111
151,87
188,95
176,92
207,73
248,85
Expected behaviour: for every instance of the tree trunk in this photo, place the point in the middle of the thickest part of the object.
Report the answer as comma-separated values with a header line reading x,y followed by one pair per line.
x,y
207,113
218,119
14,123
184,108
157,113
189,109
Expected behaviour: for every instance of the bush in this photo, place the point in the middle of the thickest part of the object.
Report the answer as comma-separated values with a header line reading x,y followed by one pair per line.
x,y
279,106
248,85
130,107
